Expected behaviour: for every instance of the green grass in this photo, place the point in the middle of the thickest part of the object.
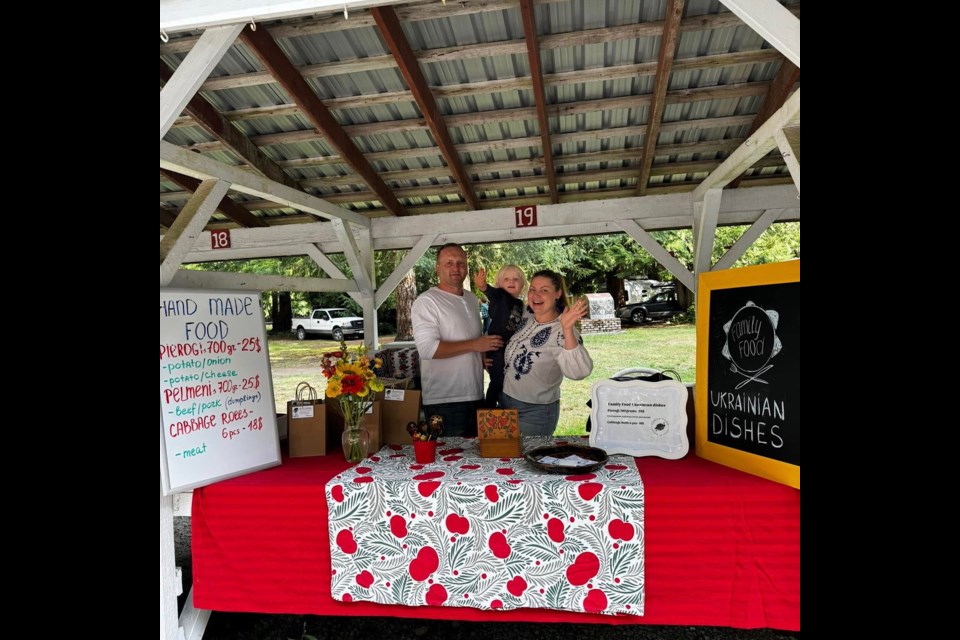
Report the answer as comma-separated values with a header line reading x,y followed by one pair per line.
x,y
660,346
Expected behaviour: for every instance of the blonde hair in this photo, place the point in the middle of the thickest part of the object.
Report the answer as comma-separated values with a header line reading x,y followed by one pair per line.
x,y
511,267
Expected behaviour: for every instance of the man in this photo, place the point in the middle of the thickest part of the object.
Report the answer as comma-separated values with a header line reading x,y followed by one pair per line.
x,y
446,328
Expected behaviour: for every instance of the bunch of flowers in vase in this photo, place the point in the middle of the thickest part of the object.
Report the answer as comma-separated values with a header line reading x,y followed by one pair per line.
x,y
352,382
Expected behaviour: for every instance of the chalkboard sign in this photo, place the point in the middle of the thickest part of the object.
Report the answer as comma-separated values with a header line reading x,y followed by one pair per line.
x,y
217,418
748,370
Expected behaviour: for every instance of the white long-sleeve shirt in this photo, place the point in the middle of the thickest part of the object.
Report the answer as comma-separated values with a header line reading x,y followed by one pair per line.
x,y
440,316
536,361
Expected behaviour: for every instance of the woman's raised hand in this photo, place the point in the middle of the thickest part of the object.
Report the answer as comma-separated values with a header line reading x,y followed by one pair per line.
x,y
573,313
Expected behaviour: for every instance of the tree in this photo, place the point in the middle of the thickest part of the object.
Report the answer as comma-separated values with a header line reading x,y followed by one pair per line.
x,y
281,312
406,293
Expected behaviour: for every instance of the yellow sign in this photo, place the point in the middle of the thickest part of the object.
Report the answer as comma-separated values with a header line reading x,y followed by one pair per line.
x,y
748,370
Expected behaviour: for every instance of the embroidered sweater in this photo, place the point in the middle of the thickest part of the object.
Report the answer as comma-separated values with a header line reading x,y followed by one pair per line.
x,y
537,361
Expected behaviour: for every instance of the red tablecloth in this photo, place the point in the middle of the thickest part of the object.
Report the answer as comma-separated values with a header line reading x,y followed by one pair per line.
x,y
722,549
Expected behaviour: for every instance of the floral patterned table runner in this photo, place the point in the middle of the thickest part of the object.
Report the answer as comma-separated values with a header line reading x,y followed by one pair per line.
x,y
488,533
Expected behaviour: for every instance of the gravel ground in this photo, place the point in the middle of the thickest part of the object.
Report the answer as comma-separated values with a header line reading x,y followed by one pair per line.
x,y
255,626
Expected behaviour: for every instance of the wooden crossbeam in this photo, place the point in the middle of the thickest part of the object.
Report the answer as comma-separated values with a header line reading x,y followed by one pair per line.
x,y
280,67
668,49
227,206
536,77
392,34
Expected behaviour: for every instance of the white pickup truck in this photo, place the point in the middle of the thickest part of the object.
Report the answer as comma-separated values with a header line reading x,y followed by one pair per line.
x,y
337,323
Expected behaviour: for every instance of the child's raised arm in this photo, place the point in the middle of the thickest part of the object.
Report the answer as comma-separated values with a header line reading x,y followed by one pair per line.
x,y
480,280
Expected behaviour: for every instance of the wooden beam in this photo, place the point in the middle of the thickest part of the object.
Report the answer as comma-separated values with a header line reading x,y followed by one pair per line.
x,y
678,96
179,240
409,260
788,140
705,230
472,147
653,212
668,49
787,76
207,116
227,206
749,236
191,73
273,58
773,22
167,217
392,34
536,77
756,146
250,281
178,159
661,255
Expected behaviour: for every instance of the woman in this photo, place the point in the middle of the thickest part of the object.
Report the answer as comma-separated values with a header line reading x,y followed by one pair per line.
x,y
545,348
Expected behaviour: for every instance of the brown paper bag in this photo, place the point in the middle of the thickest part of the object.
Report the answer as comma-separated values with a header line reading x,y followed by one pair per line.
x,y
399,405
306,423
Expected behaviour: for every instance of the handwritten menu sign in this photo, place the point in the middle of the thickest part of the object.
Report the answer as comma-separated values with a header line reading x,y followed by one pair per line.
x,y
217,418
748,370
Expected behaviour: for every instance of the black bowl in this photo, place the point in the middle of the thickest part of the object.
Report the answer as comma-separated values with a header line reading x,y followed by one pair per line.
x,y
599,456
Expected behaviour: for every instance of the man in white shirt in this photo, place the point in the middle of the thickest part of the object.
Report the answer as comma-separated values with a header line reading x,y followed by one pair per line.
x,y
446,328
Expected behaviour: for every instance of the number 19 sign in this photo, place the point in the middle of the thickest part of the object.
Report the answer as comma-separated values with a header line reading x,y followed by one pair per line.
x,y
526,216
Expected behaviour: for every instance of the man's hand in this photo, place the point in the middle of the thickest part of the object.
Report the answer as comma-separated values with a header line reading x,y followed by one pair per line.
x,y
488,343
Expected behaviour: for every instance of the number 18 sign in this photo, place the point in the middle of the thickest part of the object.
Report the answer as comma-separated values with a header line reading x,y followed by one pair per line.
x,y
220,239
526,216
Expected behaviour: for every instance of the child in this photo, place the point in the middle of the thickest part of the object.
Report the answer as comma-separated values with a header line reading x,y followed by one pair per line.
x,y
505,310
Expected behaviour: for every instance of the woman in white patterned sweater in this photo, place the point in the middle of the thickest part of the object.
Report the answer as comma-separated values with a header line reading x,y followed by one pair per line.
x,y
545,348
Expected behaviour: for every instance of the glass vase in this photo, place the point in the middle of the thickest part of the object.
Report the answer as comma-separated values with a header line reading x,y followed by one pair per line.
x,y
355,440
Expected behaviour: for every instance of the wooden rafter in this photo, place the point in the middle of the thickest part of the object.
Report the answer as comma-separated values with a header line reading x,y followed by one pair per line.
x,y
392,34
325,69
167,217
227,206
681,96
536,78
668,49
565,177
780,89
508,84
210,119
272,57
678,96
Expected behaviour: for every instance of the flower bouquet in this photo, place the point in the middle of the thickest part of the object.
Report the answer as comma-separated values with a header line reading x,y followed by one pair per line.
x,y
353,383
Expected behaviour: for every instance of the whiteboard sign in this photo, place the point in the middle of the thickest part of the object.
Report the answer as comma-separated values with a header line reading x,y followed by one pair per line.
x,y
639,418
217,418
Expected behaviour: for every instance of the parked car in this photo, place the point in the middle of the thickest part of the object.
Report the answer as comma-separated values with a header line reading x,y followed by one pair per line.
x,y
337,323
661,306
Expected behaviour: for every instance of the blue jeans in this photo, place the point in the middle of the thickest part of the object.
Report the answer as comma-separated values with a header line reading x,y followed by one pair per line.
x,y
459,418
535,419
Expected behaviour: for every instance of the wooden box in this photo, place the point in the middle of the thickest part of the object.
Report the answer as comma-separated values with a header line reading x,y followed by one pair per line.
x,y
498,433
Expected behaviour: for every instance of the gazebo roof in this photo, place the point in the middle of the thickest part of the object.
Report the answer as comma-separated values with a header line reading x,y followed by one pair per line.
x,y
418,108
